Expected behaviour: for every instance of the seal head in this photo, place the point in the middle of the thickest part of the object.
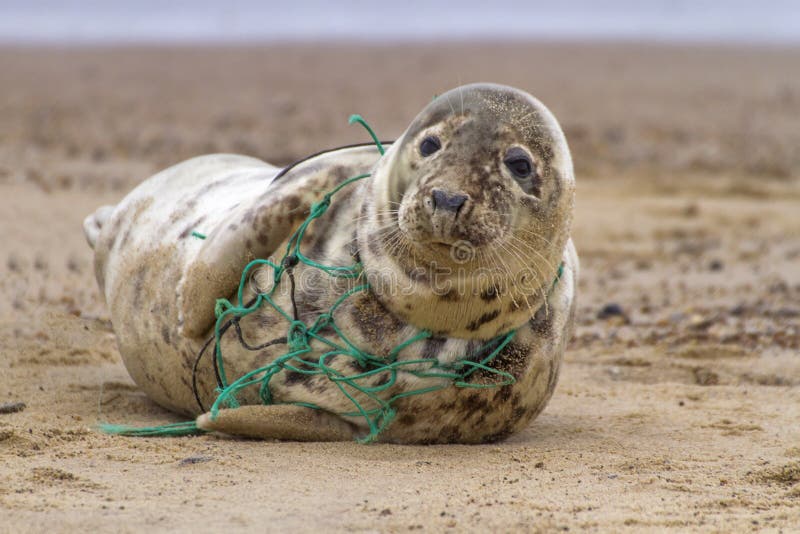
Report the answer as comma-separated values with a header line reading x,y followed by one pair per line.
x,y
469,212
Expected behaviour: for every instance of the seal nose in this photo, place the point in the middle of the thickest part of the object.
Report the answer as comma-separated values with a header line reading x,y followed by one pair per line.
x,y
447,201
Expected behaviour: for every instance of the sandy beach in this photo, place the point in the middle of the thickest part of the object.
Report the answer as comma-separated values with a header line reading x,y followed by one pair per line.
x,y
678,407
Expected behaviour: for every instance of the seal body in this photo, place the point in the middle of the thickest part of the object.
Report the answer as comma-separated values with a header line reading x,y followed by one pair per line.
x,y
463,233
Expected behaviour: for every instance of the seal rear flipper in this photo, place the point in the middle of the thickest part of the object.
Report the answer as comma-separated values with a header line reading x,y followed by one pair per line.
x,y
279,421
93,224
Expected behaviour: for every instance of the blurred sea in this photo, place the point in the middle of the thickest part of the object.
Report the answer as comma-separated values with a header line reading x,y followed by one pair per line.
x,y
90,21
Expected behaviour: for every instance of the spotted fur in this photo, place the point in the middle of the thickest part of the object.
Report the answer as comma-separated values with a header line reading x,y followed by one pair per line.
x,y
466,275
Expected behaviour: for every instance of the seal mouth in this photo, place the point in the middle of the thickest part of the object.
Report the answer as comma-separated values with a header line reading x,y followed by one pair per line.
x,y
439,244
455,251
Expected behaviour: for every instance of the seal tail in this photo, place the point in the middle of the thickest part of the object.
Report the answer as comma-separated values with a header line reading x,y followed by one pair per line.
x,y
93,224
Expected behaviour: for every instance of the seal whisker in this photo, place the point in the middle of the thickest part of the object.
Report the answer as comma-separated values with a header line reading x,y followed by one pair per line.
x,y
505,274
387,224
483,257
543,279
452,109
504,248
373,217
394,241
385,228
522,249
389,239
540,279
535,235
527,247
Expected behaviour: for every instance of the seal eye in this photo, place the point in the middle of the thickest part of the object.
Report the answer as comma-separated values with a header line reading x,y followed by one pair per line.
x,y
518,163
429,145
520,167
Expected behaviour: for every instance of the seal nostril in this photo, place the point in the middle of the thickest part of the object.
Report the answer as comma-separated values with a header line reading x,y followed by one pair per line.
x,y
446,201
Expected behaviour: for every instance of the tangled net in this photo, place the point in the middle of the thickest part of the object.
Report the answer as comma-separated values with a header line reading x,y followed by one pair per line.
x,y
299,356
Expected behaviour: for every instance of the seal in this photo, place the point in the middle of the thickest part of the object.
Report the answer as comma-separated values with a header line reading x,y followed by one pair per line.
x,y
462,231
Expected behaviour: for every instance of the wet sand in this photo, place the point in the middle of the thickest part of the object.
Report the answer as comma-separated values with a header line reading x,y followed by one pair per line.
x,y
678,406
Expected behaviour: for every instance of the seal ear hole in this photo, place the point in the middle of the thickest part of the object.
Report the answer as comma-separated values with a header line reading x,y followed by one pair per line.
x,y
429,145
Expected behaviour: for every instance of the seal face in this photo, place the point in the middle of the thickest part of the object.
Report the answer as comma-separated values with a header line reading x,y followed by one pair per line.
x,y
473,208
463,233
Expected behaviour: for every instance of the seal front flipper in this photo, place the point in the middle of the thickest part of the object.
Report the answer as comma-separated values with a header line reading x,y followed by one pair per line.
x,y
278,421
255,226
253,229
244,216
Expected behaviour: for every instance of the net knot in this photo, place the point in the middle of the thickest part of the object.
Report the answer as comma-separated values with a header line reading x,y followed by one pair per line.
x,y
227,399
290,261
297,337
221,306
318,208
323,321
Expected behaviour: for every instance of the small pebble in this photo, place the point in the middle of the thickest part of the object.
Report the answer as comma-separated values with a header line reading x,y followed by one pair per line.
x,y
677,317
14,263
699,322
706,377
691,210
191,460
40,263
12,407
611,309
739,309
